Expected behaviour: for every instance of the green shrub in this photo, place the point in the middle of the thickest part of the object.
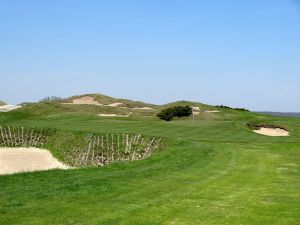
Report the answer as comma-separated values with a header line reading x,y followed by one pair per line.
x,y
227,107
177,111
166,114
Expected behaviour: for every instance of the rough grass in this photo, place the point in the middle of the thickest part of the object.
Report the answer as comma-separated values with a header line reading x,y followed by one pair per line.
x,y
216,171
104,99
77,149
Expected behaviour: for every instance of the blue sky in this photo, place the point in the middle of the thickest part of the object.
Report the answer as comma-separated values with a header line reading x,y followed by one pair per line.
x,y
236,53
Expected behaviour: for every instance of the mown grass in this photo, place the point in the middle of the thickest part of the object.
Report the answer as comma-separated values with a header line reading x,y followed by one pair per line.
x,y
216,171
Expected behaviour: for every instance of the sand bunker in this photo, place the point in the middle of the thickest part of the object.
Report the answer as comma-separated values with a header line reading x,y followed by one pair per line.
x,y
15,160
143,108
112,115
115,104
6,108
274,132
212,111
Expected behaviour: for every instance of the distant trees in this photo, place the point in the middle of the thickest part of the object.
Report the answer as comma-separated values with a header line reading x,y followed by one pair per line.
x,y
177,111
51,99
227,107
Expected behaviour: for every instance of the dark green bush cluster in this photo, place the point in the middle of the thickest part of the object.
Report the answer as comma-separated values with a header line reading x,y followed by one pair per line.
x,y
177,111
227,107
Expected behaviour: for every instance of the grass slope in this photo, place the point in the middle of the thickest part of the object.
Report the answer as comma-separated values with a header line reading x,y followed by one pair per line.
x,y
104,99
215,171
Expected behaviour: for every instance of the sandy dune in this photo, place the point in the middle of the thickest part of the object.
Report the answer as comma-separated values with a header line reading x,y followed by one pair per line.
x,y
88,100
14,160
6,108
115,104
275,132
85,100
143,108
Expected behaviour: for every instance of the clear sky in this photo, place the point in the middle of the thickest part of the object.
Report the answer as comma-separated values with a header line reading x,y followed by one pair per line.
x,y
236,53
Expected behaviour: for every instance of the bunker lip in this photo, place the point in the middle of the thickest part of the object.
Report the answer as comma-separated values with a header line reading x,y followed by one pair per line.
x,y
20,159
274,132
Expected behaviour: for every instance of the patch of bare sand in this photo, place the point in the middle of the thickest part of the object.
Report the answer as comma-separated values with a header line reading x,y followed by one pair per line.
x,y
112,115
16,160
85,100
211,111
88,100
7,108
274,132
115,104
143,108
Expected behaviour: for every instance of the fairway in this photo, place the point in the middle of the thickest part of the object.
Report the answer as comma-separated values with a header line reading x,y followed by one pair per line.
x,y
148,112
216,171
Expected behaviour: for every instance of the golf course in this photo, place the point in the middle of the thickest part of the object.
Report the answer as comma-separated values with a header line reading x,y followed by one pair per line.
x,y
208,168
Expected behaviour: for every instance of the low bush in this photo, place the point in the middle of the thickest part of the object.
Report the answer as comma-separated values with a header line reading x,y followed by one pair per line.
x,y
227,107
177,111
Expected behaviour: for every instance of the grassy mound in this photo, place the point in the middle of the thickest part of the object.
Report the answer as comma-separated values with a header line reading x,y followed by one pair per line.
x,y
106,100
213,171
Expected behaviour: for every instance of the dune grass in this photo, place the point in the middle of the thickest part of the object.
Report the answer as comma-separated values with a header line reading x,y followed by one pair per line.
x,y
216,171
106,100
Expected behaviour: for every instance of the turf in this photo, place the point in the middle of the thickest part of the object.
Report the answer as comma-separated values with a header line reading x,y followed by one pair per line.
x,y
216,171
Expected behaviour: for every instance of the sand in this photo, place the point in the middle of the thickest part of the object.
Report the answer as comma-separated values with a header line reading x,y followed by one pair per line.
x,y
212,111
85,100
7,108
112,115
115,104
274,132
88,100
16,160
143,108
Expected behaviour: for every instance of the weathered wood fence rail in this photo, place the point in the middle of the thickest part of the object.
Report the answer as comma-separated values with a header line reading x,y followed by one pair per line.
x,y
86,150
